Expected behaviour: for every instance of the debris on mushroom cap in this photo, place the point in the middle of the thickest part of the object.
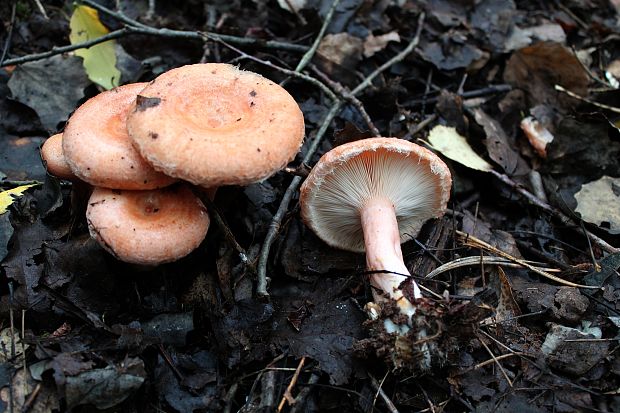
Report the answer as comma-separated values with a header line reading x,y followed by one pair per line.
x,y
413,178
147,227
54,158
213,124
98,149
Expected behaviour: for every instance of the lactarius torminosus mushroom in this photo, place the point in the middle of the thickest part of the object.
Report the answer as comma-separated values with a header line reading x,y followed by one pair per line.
x,y
371,195
97,148
54,158
212,124
147,227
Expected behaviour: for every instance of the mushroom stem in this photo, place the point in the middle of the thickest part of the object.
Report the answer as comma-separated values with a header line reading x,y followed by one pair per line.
x,y
382,241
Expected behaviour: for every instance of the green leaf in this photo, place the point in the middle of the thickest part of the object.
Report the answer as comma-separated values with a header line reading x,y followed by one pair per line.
x,y
7,197
99,60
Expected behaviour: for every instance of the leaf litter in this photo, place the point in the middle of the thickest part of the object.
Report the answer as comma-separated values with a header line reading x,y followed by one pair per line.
x,y
95,333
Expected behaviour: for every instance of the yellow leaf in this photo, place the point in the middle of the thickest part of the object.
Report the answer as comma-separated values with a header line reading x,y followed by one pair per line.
x,y
99,60
7,197
448,141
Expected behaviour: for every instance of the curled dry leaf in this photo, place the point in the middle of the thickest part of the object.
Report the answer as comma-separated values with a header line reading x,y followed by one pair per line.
x,y
598,202
374,44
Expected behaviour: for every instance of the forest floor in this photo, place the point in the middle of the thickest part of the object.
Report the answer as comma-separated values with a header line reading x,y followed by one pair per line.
x,y
522,293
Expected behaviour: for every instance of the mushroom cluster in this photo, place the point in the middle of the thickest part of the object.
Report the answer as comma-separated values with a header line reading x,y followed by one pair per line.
x,y
208,124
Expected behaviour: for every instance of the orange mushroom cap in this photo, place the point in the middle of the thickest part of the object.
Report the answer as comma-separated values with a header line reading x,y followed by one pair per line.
x,y
213,124
413,179
98,149
147,227
54,158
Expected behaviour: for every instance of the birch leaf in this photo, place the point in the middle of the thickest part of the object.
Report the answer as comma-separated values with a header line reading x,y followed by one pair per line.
x,y
7,197
452,145
99,60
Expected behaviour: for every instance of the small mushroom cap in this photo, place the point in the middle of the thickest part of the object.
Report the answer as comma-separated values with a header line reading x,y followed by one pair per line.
x,y
414,179
147,227
54,158
98,149
212,124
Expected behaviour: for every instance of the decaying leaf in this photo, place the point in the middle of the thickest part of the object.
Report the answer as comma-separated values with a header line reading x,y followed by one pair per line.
x,y
374,44
31,84
7,197
598,202
99,60
538,68
447,141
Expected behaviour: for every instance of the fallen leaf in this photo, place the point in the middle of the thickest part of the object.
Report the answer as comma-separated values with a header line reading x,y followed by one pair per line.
x,y
447,141
7,197
598,202
54,100
374,44
500,146
105,387
100,59
538,68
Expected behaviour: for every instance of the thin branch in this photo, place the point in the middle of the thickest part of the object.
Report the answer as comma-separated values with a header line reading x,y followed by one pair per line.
x,y
144,29
293,73
601,243
345,94
68,48
9,36
276,221
399,57
317,41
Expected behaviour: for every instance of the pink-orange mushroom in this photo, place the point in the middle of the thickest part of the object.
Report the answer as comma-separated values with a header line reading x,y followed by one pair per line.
x,y
213,124
370,195
98,149
54,158
147,227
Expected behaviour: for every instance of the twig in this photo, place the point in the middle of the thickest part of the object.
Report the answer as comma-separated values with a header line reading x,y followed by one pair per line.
x,y
304,392
144,29
214,213
378,387
601,243
293,73
69,48
9,35
421,125
345,94
474,260
489,90
496,361
399,57
474,242
41,9
317,41
591,102
288,396
274,226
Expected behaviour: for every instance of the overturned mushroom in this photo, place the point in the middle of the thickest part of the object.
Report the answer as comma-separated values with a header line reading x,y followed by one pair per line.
x,y
371,195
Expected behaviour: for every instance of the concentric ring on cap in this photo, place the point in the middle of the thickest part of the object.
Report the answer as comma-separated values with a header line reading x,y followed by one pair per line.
x,y
213,124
